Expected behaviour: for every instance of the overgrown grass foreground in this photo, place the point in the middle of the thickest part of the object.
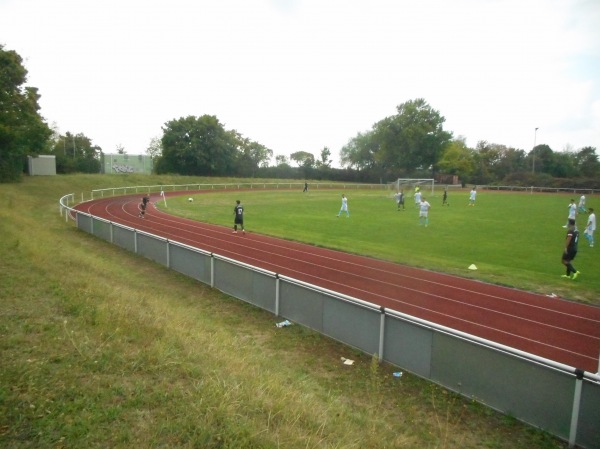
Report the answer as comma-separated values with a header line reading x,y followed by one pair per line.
x,y
100,348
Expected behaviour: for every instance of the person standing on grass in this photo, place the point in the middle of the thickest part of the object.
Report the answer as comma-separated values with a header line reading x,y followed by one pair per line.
x,y
581,205
472,196
400,199
572,212
591,227
305,187
344,207
570,250
445,197
424,207
418,196
238,212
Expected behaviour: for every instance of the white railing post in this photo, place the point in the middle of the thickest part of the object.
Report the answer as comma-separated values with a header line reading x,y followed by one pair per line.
x,y
576,406
381,333
277,281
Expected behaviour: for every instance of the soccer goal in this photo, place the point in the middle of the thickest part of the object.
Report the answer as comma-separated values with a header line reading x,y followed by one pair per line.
x,y
410,185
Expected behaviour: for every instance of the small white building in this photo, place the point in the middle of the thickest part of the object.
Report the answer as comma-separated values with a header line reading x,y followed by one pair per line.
x,y
42,165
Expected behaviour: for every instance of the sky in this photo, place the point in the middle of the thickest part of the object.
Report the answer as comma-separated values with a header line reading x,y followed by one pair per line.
x,y
301,75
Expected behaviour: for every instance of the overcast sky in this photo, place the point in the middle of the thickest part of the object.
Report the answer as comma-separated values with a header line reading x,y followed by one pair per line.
x,y
299,75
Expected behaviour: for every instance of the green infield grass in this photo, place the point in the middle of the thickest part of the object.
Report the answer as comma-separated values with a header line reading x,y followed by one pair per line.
x,y
514,239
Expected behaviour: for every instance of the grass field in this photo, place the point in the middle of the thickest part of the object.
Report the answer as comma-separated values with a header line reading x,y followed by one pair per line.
x,y
100,348
514,239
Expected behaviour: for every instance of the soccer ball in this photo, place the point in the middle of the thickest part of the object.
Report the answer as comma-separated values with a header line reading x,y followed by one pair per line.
x,y
191,200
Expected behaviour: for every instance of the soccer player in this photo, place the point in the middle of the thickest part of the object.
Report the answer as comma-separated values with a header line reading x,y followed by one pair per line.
x,y
344,207
143,206
238,212
305,187
418,196
571,250
424,207
581,205
572,212
472,197
590,228
400,199
445,197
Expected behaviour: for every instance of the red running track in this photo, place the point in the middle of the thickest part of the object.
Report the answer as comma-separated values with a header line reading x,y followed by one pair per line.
x,y
556,329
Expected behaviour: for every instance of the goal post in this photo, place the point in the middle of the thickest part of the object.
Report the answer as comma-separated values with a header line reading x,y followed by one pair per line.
x,y
406,184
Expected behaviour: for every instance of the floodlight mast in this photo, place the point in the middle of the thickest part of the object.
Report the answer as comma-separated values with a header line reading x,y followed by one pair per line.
x,y
533,151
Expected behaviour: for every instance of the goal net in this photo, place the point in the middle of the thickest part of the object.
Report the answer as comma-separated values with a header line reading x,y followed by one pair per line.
x,y
410,185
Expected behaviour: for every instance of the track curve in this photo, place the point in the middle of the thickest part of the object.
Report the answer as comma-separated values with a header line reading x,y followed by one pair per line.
x,y
560,330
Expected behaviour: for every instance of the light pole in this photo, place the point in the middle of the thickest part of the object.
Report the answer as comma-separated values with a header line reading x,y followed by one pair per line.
x,y
533,151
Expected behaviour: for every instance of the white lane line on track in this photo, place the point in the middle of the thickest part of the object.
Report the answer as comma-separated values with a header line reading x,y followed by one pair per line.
x,y
194,226
197,226
163,218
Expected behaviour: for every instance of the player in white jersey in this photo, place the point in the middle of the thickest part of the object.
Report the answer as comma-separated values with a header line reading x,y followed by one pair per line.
x,y
472,197
591,227
344,207
418,196
572,212
581,206
424,207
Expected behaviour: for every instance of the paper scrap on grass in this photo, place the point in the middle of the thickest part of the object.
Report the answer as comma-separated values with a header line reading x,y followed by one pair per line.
x,y
398,374
283,324
472,267
347,361
552,295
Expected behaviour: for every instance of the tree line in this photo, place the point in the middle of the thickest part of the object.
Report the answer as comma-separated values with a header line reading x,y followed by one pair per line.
x,y
410,143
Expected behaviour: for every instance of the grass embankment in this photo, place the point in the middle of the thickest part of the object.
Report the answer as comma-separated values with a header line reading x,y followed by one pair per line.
x,y
101,348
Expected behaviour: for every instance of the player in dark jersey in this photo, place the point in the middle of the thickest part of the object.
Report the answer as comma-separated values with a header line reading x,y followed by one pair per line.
x,y
570,250
400,199
143,206
238,211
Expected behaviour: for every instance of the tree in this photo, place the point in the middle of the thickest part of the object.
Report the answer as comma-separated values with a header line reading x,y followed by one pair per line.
x,y
542,159
457,159
22,129
486,156
360,152
155,149
251,155
510,161
324,161
303,159
197,146
412,139
587,162
281,159
564,165
75,153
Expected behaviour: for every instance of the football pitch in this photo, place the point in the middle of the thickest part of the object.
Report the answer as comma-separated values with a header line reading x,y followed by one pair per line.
x,y
514,239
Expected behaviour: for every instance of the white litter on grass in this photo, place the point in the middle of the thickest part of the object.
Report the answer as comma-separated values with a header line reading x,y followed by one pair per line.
x,y
347,361
398,374
552,295
472,267
283,324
